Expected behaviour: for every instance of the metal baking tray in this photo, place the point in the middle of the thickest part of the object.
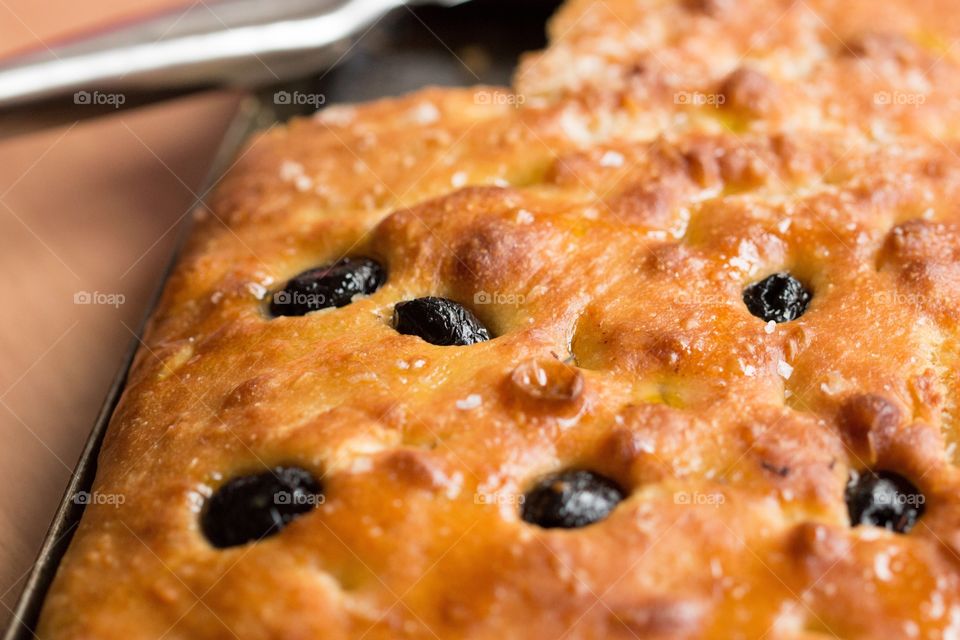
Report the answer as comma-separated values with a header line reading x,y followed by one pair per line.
x,y
473,43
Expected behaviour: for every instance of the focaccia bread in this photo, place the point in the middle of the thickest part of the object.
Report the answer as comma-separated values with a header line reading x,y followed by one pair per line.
x,y
662,343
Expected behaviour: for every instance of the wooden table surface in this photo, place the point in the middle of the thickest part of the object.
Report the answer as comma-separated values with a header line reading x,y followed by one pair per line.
x,y
84,208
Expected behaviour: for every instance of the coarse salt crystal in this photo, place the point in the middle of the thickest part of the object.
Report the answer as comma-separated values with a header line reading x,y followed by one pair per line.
x,y
425,113
257,289
472,401
611,159
290,170
361,465
303,183
784,369
881,567
337,116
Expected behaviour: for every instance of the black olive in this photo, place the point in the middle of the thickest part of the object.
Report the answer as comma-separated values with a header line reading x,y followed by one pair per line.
x,y
883,499
571,499
332,285
779,297
439,321
249,508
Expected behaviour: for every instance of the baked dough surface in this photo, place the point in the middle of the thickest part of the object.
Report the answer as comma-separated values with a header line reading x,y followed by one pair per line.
x,y
614,224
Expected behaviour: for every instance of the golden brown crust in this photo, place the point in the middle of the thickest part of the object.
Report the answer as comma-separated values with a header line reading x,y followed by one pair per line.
x,y
620,226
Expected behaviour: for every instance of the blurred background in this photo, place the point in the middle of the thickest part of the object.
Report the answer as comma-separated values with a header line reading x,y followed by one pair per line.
x,y
93,197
